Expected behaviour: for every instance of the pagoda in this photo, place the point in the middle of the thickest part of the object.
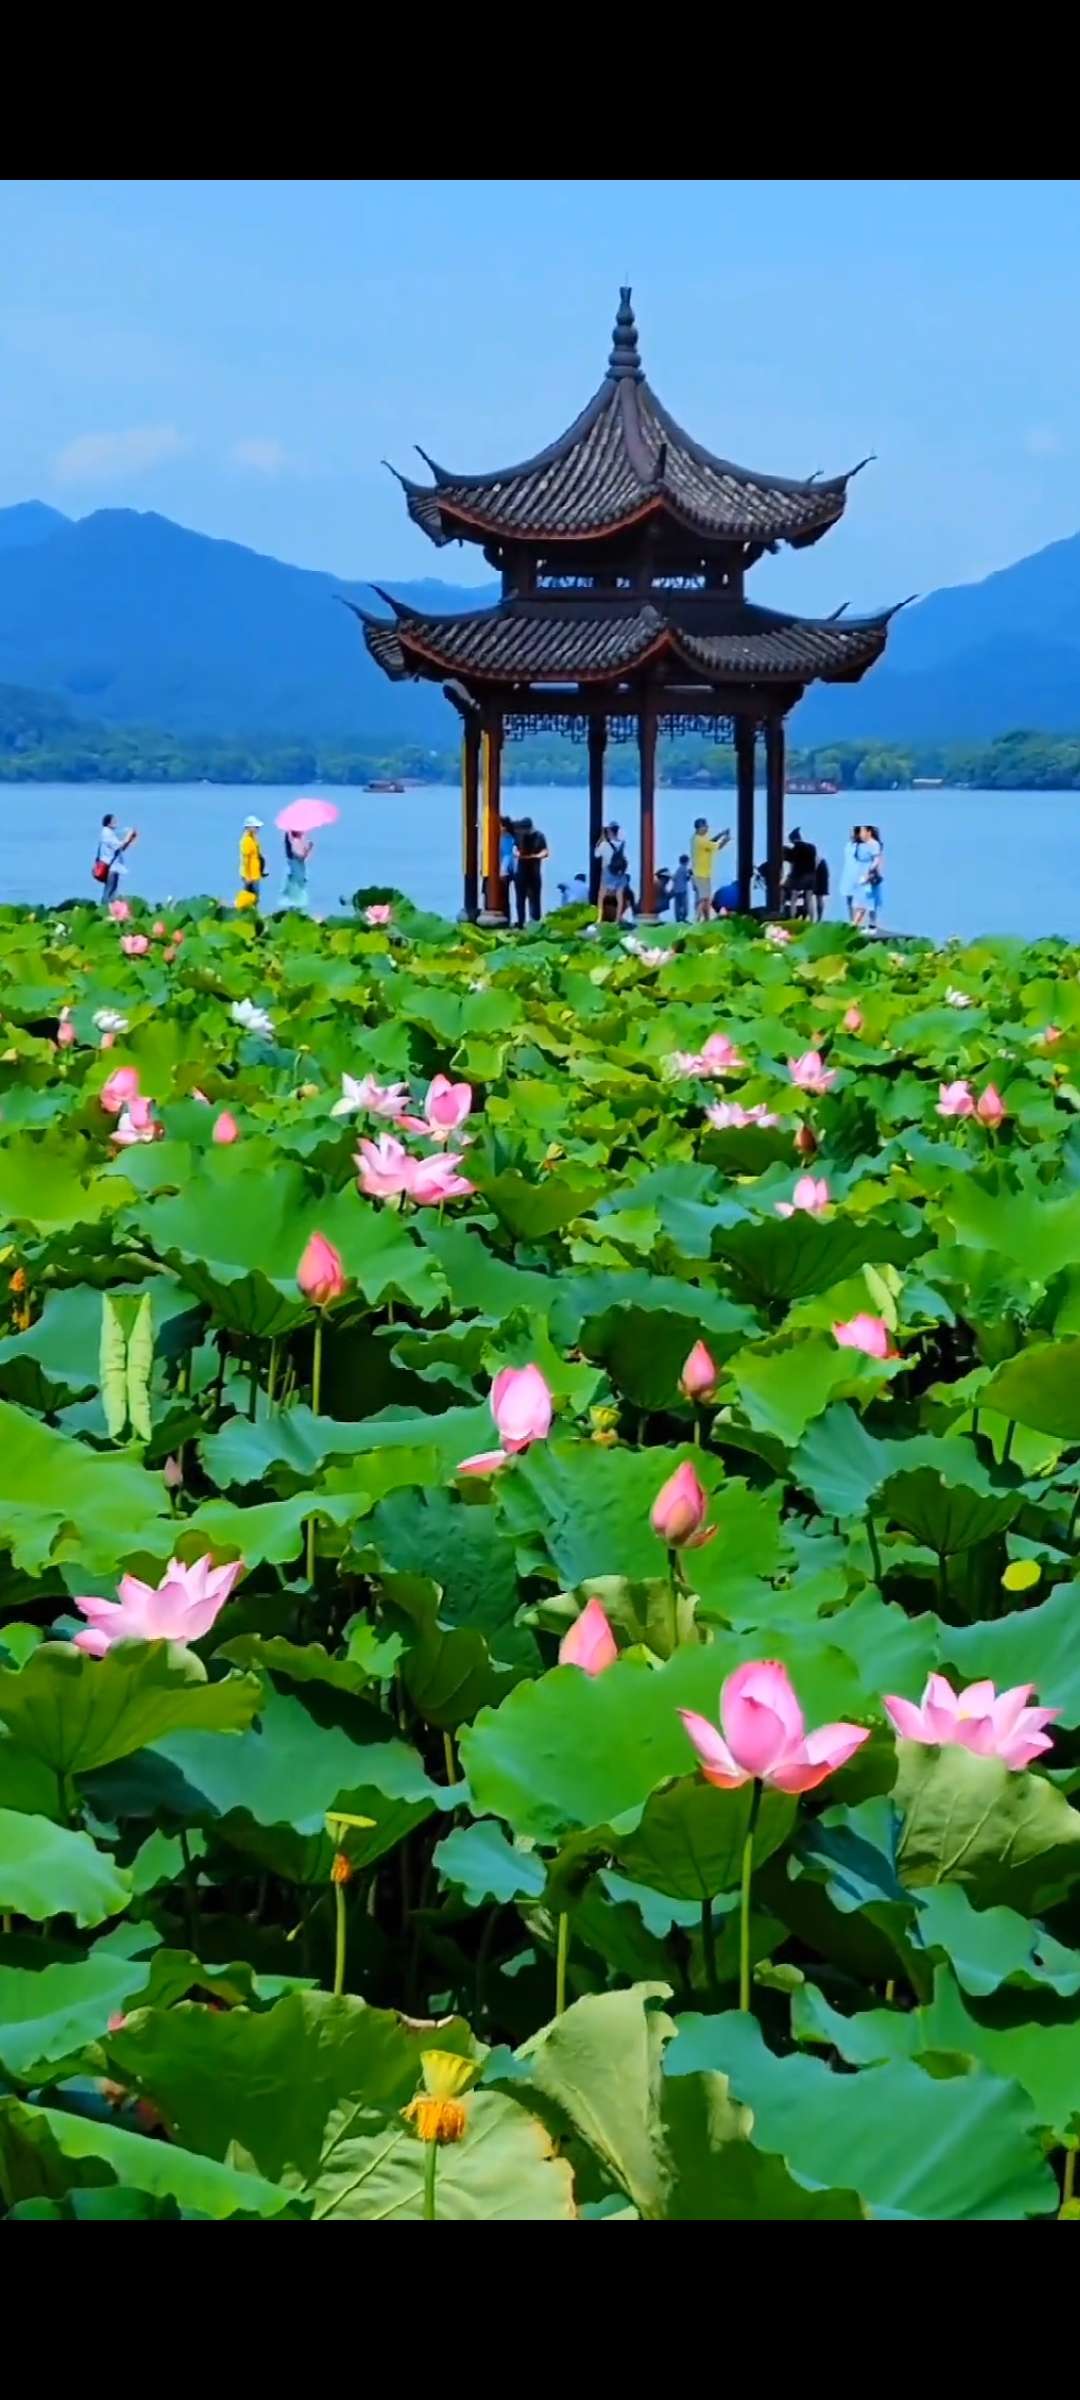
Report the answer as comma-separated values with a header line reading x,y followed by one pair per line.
x,y
623,550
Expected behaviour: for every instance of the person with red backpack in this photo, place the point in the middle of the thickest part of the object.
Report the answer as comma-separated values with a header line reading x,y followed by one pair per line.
x,y
112,844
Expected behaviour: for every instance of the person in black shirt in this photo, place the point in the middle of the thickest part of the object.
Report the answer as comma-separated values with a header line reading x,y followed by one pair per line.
x,y
801,860
530,852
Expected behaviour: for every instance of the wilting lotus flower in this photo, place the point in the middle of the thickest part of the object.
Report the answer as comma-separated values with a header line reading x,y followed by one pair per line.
x,y
955,999
136,1123
853,1019
380,913
253,1020
134,945
120,911
994,1725
364,1093
806,1141
679,1511
66,1035
590,1643
764,1735
120,1087
433,1180
810,1073
865,1333
109,1020
226,1128
700,1373
810,1196
990,1107
385,1167
182,1609
728,1117
521,1405
321,1274
955,1100
778,934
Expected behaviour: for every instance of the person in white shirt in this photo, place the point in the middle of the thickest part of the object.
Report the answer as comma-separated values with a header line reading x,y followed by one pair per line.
x,y
112,845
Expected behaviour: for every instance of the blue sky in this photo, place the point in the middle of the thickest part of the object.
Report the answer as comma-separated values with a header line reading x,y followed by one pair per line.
x,y
240,356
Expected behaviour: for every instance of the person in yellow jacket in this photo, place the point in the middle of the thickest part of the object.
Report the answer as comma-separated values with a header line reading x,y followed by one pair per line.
x,y
252,862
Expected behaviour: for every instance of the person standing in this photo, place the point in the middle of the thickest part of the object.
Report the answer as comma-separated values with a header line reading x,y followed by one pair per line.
x,y
252,862
109,855
801,859
872,862
294,890
851,876
680,888
614,873
704,850
529,854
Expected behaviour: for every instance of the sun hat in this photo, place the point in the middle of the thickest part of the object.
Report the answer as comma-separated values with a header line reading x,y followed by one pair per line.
x,y
252,824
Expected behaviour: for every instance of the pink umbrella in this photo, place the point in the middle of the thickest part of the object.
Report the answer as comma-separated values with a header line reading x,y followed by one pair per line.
x,y
305,816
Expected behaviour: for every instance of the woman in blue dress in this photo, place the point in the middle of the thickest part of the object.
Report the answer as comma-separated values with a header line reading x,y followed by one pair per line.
x,y
294,890
871,854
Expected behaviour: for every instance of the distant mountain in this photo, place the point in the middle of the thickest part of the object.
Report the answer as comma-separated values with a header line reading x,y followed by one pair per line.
x,y
29,521
970,662
136,621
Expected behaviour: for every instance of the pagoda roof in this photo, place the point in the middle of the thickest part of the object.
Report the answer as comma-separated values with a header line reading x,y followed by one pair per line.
x,y
624,459
716,637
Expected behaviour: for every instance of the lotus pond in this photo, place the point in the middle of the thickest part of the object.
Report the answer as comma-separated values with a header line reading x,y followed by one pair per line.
x,y
540,1633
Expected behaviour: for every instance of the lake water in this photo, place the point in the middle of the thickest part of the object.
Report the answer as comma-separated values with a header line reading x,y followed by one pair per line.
x,y
956,862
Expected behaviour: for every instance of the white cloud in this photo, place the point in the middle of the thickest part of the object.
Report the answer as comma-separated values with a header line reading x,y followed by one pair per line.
x,y
110,457
261,454
1043,441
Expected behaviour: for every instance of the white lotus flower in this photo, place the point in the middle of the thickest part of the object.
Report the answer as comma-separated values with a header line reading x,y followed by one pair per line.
x,y
253,1020
365,1093
957,999
109,1020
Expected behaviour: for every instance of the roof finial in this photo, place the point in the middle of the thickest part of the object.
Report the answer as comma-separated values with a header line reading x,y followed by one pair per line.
x,y
624,358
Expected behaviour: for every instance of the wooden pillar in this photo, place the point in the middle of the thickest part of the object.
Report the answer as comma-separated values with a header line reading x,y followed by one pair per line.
x,y
597,747
496,898
745,749
470,814
774,812
647,761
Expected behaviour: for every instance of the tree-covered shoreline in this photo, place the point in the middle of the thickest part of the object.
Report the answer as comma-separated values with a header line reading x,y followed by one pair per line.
x,y
42,741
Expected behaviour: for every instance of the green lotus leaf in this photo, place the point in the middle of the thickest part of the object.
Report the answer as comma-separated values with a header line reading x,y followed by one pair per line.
x,y
47,1871
1033,1645
47,2149
1005,1837
1042,2056
1040,1387
77,1713
60,1500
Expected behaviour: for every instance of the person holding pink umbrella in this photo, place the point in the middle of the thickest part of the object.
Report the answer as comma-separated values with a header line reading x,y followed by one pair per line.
x,y
297,821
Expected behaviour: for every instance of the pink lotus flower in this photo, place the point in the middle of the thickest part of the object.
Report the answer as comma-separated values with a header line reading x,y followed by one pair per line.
x,y
446,1106
380,913
321,1273
764,1736
436,1179
990,1107
994,1725
385,1167
226,1128
366,1093
159,929
955,1100
483,1462
169,954
777,934
134,945
810,1196
120,911
589,1643
679,1511
120,1087
172,1474
853,1019
66,1035
108,1041
521,1405
700,1373
728,1117
136,1123
182,1609
810,1073
720,1054
865,1333
1050,1034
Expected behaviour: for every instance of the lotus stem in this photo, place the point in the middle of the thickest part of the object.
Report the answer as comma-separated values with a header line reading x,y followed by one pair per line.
x,y
253,1385
1074,1512
431,2161
272,1375
1068,2180
744,1902
316,1395
450,1758
339,1940
562,1947
708,1949
1009,1432
697,1430
875,1554
191,1892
